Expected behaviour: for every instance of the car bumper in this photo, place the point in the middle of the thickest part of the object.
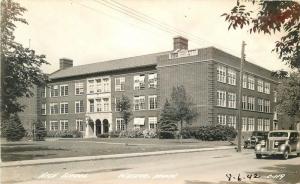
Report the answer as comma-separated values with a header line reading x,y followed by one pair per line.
x,y
266,152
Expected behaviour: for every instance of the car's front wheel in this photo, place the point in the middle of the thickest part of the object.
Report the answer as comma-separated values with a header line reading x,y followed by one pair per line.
x,y
285,155
258,156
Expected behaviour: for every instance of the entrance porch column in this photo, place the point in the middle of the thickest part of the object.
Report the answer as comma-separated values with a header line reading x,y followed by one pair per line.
x,y
102,127
95,129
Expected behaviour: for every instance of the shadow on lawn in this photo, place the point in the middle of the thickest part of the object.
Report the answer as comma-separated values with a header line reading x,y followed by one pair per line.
x,y
12,152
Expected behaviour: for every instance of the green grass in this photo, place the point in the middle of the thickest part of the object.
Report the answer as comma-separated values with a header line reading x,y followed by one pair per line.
x,y
29,150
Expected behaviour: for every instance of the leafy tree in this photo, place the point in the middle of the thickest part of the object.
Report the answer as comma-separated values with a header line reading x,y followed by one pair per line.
x,y
272,17
124,107
288,95
21,66
182,105
14,129
167,121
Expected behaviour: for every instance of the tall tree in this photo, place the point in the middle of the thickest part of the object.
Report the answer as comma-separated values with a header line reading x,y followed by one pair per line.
x,y
124,106
167,121
271,17
288,95
182,105
21,66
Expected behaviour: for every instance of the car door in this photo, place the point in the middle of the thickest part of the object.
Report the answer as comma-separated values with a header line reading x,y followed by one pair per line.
x,y
293,141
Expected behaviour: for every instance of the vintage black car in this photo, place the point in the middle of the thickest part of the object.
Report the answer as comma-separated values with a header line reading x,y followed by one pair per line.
x,y
279,142
255,138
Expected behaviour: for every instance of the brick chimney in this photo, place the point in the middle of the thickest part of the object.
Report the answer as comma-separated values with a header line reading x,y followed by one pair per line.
x,y
180,43
65,63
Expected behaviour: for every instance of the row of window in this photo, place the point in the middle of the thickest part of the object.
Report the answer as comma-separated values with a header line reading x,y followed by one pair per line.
x,y
62,108
222,99
63,125
248,123
225,75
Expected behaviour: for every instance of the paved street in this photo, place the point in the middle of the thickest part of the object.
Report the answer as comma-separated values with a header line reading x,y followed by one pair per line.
x,y
208,167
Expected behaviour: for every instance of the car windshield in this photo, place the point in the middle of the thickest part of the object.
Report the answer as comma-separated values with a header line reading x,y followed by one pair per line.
x,y
278,134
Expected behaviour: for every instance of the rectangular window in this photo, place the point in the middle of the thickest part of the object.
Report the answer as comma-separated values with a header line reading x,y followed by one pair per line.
x,y
120,84
53,108
231,100
139,82
260,105
64,90
221,119
152,122
44,92
244,102
44,109
275,96
79,106
260,86
98,105
117,101
105,104
98,86
54,91
92,105
64,125
267,88
231,77
267,106
251,124
152,101
221,98
221,71
245,81
53,125
251,103
64,108
152,80
120,123
245,124
231,121
251,83
267,124
260,124
139,102
79,125
106,85
79,88
45,124
91,86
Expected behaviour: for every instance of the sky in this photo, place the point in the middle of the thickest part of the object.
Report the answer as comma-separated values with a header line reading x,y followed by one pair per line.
x,y
89,31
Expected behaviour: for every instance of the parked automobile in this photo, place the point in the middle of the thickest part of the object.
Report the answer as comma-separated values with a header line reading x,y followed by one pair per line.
x,y
279,142
255,138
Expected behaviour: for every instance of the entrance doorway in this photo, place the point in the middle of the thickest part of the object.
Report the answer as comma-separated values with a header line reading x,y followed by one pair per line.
x,y
98,127
105,126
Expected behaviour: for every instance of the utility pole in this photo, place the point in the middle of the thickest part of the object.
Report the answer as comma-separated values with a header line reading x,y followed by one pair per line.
x,y
240,124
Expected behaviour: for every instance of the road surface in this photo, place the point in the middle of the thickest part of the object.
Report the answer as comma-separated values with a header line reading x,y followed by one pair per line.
x,y
210,167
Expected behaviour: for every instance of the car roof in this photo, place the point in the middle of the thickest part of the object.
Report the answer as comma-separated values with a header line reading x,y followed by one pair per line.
x,y
283,131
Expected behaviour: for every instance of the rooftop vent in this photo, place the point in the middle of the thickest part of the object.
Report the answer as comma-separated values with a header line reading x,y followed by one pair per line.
x,y
65,63
180,43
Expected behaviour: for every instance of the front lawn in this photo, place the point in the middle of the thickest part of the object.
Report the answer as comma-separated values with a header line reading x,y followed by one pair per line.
x,y
28,150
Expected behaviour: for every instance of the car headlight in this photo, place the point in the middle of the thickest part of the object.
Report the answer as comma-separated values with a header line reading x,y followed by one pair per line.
x,y
276,143
257,147
263,143
282,147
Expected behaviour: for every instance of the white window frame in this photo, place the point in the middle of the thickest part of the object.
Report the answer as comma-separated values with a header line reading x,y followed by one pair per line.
x,y
267,88
80,107
244,102
232,100
64,90
231,77
137,102
244,124
44,92
54,91
152,80
106,104
251,82
221,73
231,121
139,82
251,124
80,87
260,103
260,85
155,102
90,106
52,105
221,98
98,85
260,124
120,124
62,125
91,86
266,124
45,124
65,104
54,128
267,106
106,84
152,121
251,103
121,85
245,81
79,124
44,109
221,119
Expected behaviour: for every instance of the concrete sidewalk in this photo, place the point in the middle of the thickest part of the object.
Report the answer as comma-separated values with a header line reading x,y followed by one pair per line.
x,y
102,157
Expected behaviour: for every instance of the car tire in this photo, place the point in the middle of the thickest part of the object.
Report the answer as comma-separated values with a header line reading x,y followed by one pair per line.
x,y
258,156
298,154
285,155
